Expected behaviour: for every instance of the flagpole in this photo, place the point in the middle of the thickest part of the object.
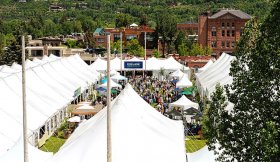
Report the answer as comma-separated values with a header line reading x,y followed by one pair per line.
x,y
109,147
24,123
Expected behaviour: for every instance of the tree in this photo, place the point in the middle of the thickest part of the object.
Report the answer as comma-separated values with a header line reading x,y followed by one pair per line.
x,y
196,50
71,43
166,27
123,20
89,40
156,53
134,48
252,132
12,53
116,46
182,50
180,40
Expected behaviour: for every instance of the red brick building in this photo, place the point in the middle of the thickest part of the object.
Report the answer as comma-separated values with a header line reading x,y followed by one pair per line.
x,y
190,29
136,32
221,30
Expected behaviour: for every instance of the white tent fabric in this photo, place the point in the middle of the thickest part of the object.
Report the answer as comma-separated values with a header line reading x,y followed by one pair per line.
x,y
116,64
139,133
202,155
184,82
118,77
185,103
113,85
172,64
152,64
74,119
15,154
178,74
99,64
50,86
206,66
218,72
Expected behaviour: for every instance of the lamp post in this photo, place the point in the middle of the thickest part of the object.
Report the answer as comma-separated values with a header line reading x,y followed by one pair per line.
x,y
145,52
121,49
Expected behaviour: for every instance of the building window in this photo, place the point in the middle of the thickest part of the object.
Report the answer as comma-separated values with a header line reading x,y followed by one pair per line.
x,y
233,33
214,44
228,33
116,37
100,40
228,44
129,37
223,24
214,32
228,24
232,44
223,33
232,24
223,44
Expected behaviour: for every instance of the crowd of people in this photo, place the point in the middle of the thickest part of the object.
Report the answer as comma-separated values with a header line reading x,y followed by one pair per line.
x,y
155,92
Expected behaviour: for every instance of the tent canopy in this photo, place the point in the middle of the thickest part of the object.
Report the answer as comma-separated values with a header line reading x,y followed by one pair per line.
x,y
139,134
185,103
184,82
178,73
113,85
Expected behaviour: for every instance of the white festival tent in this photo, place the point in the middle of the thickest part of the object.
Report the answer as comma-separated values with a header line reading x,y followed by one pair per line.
x,y
206,66
50,86
15,154
184,82
218,72
139,133
74,119
152,64
178,74
118,77
185,103
112,84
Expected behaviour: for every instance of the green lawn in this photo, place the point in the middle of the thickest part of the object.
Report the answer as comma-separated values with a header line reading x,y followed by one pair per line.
x,y
194,144
53,144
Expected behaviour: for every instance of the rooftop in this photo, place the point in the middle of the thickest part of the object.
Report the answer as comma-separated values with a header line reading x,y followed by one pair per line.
x,y
237,13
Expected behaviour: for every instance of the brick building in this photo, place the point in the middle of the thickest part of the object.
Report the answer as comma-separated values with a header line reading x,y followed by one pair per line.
x,y
190,29
221,30
134,32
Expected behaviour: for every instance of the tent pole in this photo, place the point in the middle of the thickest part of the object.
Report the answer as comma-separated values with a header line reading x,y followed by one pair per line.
x,y
109,148
145,53
24,123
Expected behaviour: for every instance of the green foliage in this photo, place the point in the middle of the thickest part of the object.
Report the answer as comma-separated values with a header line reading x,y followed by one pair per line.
x,y
134,48
71,43
252,128
123,20
156,53
13,52
196,50
194,144
53,144
116,45
166,23
89,39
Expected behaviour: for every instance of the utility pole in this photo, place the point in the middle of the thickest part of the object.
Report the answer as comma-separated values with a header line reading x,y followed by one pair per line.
x,y
145,51
109,147
24,123
121,49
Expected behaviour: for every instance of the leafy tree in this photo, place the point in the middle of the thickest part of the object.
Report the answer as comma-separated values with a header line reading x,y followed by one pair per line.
x,y
116,46
166,27
196,50
2,43
182,50
123,20
71,43
143,20
252,132
134,48
180,40
156,53
89,39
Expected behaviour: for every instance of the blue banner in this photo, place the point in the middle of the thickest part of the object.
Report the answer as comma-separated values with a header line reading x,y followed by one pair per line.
x,y
133,64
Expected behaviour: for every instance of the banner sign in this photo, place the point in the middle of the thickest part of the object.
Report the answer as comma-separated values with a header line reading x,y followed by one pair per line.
x,y
133,64
77,92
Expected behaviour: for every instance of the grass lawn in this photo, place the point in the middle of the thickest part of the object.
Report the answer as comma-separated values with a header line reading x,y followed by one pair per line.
x,y
53,144
194,144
